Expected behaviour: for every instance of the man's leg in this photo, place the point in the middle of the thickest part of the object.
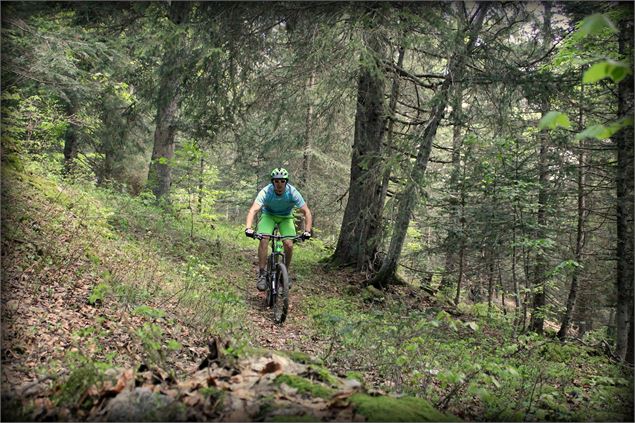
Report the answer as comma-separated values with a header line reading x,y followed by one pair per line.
x,y
288,252
265,226
287,228
262,253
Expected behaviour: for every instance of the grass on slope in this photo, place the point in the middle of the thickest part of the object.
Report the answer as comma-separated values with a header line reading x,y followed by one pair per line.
x,y
113,278
139,287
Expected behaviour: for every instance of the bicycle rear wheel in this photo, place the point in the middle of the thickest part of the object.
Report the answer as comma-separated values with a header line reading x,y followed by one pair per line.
x,y
281,303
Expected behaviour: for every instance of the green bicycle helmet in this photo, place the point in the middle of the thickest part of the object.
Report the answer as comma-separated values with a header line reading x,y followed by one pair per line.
x,y
279,173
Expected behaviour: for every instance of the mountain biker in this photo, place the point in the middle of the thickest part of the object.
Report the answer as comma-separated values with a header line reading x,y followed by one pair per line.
x,y
277,201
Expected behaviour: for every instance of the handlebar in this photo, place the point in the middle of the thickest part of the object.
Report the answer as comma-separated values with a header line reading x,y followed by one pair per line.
x,y
261,236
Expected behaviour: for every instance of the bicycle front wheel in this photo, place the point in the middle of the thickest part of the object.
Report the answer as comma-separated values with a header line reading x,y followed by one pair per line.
x,y
281,304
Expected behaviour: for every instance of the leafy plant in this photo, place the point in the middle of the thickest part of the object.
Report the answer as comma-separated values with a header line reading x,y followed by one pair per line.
x,y
83,373
155,344
98,293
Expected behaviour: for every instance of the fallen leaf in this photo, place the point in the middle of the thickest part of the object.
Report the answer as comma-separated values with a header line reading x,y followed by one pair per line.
x,y
271,367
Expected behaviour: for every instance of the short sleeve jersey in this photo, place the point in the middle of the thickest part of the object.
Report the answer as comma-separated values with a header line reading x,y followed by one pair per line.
x,y
279,205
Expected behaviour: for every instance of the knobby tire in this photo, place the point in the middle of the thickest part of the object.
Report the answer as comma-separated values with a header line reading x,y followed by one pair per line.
x,y
281,302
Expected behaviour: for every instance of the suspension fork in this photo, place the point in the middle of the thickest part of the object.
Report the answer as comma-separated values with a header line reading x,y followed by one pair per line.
x,y
275,258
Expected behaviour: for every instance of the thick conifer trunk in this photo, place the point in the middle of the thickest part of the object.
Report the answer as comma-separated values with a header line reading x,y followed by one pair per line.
x,y
624,206
164,135
361,226
168,100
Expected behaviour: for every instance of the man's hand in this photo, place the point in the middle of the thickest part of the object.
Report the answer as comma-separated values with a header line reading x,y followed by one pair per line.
x,y
249,233
306,235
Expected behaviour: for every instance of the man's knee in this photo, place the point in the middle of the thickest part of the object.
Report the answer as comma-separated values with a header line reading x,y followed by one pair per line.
x,y
263,245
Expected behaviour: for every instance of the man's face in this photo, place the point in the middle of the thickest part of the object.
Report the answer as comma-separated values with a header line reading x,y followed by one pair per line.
x,y
279,185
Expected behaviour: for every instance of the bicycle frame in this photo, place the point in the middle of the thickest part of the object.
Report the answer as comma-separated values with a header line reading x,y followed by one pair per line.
x,y
277,254
278,282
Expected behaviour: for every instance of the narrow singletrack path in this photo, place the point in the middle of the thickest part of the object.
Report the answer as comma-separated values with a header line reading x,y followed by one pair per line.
x,y
293,334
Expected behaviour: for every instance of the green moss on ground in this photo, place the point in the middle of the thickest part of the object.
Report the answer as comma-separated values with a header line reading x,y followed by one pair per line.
x,y
358,376
301,357
305,386
323,375
391,409
305,418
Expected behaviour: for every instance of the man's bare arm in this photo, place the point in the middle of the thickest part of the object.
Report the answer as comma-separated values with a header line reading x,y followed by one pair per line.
x,y
255,207
308,218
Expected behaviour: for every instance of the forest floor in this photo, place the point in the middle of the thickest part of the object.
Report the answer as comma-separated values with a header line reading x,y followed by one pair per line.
x,y
71,351
111,311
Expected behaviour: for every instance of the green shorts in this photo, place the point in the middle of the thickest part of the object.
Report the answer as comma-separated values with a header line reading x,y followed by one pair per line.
x,y
267,222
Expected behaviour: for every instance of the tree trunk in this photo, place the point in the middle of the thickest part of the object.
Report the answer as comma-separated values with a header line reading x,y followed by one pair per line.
x,y
580,234
201,185
408,199
517,297
629,349
624,189
361,225
490,279
540,266
537,314
454,236
392,109
171,74
308,132
71,148
573,292
459,281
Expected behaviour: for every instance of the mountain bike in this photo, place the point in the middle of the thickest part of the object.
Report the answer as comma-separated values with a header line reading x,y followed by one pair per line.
x,y
277,292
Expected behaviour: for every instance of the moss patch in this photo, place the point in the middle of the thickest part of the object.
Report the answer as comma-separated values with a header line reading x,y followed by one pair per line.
x,y
305,418
323,375
301,357
305,386
358,376
390,409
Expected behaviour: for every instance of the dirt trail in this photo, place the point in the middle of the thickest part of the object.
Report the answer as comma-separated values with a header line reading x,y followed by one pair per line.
x,y
293,334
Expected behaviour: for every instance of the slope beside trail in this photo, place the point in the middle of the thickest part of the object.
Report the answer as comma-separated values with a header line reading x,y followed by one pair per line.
x,y
73,352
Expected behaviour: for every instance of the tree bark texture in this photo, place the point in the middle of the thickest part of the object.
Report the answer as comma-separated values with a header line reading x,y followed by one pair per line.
x,y
540,265
71,147
361,226
455,235
624,206
539,274
580,233
582,213
308,132
168,101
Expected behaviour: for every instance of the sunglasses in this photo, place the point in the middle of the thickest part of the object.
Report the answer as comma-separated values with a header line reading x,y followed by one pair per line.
x,y
281,181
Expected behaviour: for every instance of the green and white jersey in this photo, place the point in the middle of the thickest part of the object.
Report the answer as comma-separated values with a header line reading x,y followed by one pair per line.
x,y
279,205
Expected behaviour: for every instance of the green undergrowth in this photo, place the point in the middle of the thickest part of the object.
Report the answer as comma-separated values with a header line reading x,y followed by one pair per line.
x,y
134,252
133,255
472,364
148,261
